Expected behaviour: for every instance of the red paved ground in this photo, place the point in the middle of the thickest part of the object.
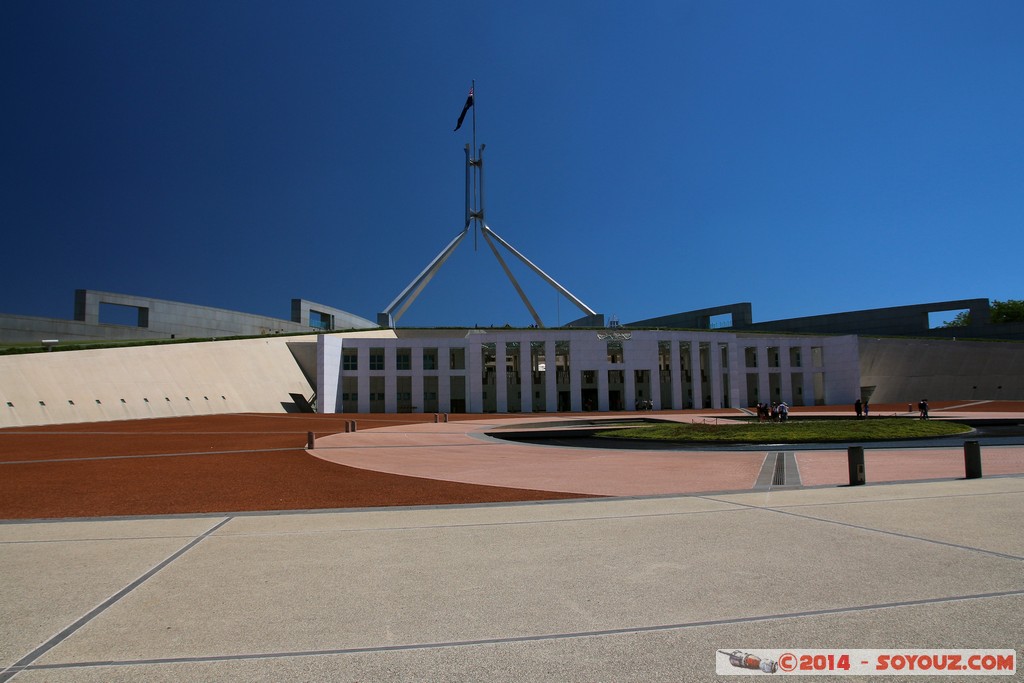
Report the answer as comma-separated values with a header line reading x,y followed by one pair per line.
x,y
231,463
217,463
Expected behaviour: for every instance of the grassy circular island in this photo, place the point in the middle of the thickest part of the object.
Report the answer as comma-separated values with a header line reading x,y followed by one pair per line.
x,y
792,431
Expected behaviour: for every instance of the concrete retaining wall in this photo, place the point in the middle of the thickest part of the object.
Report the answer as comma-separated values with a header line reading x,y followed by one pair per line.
x,y
250,375
906,371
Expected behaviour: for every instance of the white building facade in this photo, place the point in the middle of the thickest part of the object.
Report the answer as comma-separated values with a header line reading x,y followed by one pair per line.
x,y
545,370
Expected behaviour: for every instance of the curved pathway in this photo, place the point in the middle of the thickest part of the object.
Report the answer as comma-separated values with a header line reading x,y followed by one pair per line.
x,y
463,452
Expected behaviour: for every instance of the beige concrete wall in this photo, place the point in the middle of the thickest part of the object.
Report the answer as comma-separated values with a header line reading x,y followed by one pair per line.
x,y
250,375
908,370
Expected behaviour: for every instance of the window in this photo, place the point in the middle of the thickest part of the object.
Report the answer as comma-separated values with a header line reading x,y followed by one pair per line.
x,y
376,359
430,359
457,358
403,360
350,360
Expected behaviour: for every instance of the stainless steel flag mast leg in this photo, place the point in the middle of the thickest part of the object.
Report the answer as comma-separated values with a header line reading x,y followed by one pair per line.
x,y
547,278
389,317
515,283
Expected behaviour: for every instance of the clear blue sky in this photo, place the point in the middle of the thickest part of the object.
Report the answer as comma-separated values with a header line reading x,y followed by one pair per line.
x,y
653,157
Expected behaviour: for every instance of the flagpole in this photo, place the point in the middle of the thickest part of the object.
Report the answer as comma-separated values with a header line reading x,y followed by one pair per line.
x,y
472,89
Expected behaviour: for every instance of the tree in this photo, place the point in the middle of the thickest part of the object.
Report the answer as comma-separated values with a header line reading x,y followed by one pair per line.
x,y
1009,311
962,319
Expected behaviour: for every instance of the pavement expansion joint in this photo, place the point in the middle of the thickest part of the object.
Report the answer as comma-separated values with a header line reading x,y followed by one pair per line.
x,y
536,638
876,530
145,455
873,501
25,662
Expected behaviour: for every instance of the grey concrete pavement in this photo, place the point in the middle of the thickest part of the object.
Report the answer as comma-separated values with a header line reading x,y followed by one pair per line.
x,y
614,589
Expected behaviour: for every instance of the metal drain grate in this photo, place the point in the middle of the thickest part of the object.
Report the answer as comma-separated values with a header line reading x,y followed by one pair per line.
x,y
779,479
779,469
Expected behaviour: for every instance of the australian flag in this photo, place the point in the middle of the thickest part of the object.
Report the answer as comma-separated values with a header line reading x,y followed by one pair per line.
x,y
469,103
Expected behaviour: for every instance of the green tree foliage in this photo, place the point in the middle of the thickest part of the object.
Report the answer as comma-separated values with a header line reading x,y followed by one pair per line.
x,y
962,319
1009,311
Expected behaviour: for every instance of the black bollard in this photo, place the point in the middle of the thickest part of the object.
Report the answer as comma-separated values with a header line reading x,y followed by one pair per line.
x,y
855,458
309,440
972,459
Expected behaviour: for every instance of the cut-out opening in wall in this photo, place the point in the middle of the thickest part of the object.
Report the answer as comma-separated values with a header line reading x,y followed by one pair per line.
x,y
119,314
719,321
955,318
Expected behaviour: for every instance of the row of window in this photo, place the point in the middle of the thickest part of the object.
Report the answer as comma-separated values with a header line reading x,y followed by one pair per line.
x,y
615,355
403,359
379,396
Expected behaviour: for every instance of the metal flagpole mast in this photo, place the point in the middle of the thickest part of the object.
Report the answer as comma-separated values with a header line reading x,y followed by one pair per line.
x,y
475,214
475,159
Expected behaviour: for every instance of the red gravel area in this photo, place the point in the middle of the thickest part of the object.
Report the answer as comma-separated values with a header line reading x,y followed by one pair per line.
x,y
215,463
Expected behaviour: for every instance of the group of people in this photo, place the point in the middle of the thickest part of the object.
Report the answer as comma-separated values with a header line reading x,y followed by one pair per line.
x,y
861,408
772,412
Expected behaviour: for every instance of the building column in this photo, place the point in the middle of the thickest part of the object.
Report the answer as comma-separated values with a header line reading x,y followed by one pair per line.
x,y
474,377
629,388
363,363
737,393
525,377
417,379
328,374
500,377
764,391
390,380
695,379
785,375
444,379
602,389
715,368
550,376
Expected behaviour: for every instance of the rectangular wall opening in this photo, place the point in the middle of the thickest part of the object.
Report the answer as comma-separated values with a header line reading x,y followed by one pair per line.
x,y
955,318
119,314
321,321
719,321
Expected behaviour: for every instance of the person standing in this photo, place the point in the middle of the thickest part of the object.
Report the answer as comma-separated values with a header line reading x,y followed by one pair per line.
x,y
923,408
858,408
